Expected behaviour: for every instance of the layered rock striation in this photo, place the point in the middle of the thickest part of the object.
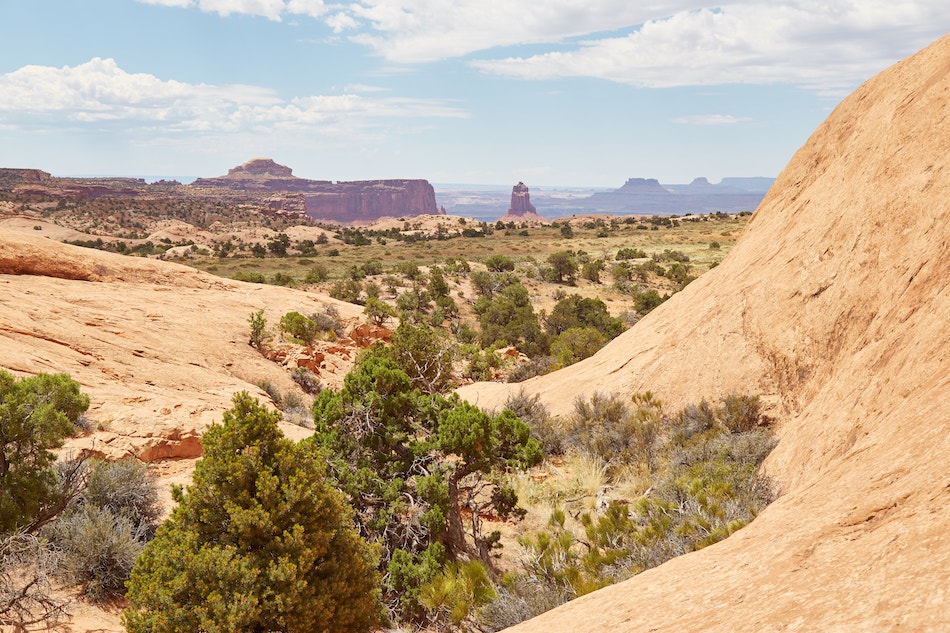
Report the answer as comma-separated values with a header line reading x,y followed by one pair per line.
x,y
345,202
259,181
521,209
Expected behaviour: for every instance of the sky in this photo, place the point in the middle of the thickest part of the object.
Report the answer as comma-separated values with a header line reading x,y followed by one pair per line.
x,y
554,93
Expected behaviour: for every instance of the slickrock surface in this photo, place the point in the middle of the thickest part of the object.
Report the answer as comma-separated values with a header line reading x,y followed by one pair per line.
x,y
159,347
835,304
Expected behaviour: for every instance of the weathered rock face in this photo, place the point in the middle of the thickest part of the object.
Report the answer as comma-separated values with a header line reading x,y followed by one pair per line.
x,y
260,167
259,182
12,176
356,201
521,209
834,305
368,200
521,200
260,174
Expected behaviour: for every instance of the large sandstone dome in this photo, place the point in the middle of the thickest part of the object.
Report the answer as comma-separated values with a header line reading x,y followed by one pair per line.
x,y
834,304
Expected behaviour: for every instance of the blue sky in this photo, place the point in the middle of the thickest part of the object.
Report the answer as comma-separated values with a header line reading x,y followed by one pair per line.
x,y
552,93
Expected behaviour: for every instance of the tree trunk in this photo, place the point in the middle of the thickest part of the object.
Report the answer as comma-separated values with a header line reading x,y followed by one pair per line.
x,y
455,534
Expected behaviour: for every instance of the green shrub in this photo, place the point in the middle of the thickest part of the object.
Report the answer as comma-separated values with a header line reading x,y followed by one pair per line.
x,y
704,485
258,541
348,290
37,414
299,327
646,300
378,312
258,325
630,253
499,263
318,273
386,442
255,278
577,343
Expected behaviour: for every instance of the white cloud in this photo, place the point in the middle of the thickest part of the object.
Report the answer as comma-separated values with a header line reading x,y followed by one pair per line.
x,y
270,9
709,119
410,31
99,94
821,46
340,22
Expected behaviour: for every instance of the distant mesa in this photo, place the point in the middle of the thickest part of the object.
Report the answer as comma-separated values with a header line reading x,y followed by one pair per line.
x,y
521,209
646,196
260,174
261,167
259,182
641,186
345,202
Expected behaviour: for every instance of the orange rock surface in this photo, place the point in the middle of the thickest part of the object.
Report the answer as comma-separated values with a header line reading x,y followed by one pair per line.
x,y
834,304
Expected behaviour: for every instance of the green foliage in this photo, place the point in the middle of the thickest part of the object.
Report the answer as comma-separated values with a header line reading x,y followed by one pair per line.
x,y
499,263
279,244
258,542
646,300
591,270
437,285
318,273
669,255
299,327
705,485
509,317
258,325
348,290
411,463
532,412
575,311
377,311
254,278
36,415
425,354
481,362
488,284
563,267
577,343
457,592
630,253
679,273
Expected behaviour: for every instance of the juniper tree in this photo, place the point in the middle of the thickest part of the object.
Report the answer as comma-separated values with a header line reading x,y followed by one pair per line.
x,y
36,415
258,542
420,471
